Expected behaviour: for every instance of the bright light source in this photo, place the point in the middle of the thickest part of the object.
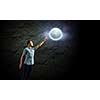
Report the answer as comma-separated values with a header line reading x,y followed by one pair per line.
x,y
55,34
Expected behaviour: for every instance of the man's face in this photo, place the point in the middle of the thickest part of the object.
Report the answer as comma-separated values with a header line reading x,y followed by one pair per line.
x,y
31,43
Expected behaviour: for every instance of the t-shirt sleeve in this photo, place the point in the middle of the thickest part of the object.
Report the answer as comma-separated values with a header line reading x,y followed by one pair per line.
x,y
24,52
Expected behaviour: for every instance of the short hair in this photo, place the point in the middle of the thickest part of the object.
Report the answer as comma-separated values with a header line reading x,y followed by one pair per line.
x,y
28,41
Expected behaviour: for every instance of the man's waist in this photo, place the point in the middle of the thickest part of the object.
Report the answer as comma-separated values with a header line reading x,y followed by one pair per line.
x,y
28,64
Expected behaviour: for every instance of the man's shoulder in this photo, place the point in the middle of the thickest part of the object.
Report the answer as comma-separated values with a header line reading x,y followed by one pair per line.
x,y
33,48
27,49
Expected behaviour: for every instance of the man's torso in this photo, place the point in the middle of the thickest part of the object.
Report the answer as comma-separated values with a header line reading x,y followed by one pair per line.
x,y
29,56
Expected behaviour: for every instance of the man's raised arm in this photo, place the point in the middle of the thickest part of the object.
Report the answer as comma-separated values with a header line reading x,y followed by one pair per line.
x,y
39,45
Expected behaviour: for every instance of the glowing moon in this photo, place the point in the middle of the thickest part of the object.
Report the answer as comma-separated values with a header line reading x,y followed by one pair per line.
x,y
55,34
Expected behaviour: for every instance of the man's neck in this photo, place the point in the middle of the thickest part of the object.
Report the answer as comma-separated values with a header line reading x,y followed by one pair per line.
x,y
29,47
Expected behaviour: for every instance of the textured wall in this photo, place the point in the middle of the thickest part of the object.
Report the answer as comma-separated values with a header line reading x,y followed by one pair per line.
x,y
52,61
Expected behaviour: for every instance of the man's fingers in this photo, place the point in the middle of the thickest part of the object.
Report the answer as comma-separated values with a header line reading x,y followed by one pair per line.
x,y
46,38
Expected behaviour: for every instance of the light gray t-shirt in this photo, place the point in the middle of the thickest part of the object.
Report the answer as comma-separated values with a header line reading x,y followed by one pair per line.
x,y
29,55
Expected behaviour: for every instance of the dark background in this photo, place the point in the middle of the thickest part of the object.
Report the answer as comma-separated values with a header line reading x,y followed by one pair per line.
x,y
67,59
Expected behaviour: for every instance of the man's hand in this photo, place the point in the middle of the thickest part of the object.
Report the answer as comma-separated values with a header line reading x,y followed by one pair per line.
x,y
46,38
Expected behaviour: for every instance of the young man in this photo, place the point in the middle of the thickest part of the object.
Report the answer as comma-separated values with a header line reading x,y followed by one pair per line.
x,y
27,58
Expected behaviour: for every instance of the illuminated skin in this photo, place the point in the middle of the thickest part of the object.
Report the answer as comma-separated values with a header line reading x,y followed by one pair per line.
x,y
30,45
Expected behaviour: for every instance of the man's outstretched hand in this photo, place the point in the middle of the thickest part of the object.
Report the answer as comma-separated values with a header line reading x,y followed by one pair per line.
x,y
46,38
39,45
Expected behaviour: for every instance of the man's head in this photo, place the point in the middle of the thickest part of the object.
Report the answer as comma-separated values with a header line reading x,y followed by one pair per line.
x,y
30,43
